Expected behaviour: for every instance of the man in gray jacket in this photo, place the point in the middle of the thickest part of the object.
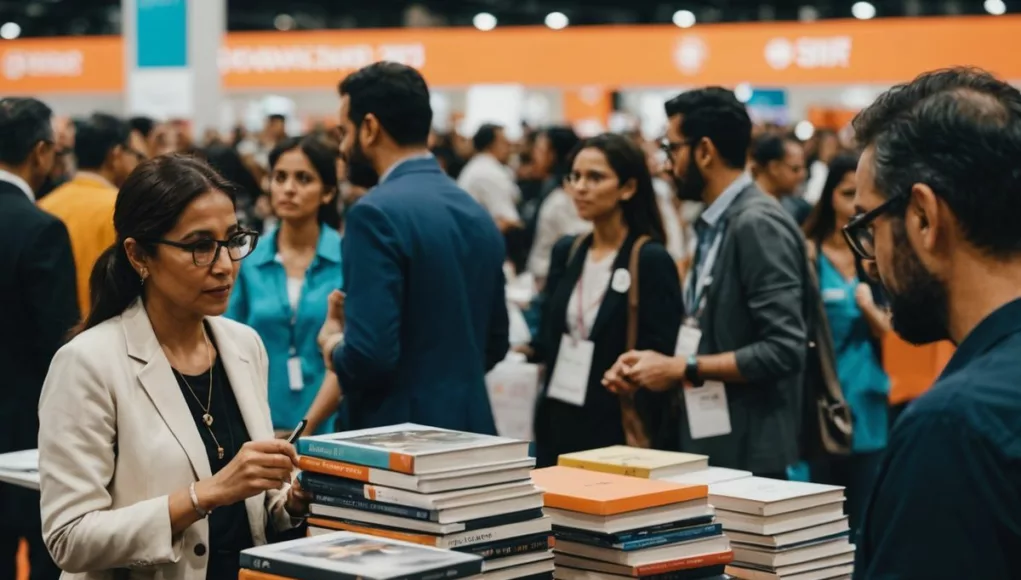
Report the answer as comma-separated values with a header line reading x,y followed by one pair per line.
x,y
741,353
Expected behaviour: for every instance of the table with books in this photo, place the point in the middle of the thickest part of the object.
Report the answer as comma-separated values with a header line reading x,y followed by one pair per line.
x,y
461,492
777,530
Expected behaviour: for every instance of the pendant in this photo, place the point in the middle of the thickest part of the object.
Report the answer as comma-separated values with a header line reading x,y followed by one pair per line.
x,y
219,452
207,419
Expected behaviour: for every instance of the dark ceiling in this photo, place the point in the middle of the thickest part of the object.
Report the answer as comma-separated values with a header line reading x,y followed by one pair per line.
x,y
81,17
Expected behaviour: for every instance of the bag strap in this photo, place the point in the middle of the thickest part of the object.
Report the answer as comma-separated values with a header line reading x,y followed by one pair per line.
x,y
635,432
578,241
632,298
819,330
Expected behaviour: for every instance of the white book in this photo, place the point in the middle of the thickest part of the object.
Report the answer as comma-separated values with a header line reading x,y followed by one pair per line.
x,y
765,497
710,476
766,558
791,538
744,571
780,523
20,468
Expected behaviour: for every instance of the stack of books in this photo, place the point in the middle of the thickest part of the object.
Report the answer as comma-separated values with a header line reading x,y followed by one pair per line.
x,y
343,555
614,527
435,487
784,530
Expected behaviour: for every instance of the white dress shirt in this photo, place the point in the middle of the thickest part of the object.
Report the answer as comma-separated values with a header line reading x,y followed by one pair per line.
x,y
492,184
19,182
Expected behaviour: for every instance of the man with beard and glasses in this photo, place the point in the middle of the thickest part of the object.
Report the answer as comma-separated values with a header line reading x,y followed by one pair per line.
x,y
741,352
423,316
939,187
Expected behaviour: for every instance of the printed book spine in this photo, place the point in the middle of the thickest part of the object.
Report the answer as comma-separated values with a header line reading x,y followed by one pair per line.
x,y
685,564
348,488
377,507
502,549
335,525
367,456
672,538
334,468
638,542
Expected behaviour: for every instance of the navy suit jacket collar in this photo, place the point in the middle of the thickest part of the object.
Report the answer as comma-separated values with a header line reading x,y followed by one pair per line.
x,y
417,164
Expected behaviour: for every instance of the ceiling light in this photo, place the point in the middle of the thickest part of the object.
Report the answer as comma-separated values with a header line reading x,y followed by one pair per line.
x,y
10,31
684,18
484,21
863,10
995,7
804,130
557,20
284,22
743,92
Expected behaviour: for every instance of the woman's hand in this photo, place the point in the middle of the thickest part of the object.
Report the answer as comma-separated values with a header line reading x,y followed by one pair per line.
x,y
297,501
259,466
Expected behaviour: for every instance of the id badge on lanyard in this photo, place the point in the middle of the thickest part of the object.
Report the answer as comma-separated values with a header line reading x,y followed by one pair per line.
x,y
295,376
569,382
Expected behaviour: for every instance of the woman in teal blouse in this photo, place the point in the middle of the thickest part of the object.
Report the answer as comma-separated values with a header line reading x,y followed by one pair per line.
x,y
282,288
857,324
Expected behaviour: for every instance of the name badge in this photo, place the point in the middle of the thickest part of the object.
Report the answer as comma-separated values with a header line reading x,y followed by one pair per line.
x,y
294,373
834,295
688,338
708,414
570,377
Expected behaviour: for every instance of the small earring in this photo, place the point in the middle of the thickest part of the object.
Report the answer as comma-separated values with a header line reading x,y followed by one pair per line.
x,y
142,277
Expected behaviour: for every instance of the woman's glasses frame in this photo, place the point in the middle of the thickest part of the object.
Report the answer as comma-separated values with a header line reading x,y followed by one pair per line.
x,y
196,247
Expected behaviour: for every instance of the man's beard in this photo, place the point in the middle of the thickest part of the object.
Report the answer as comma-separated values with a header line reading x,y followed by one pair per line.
x,y
690,187
360,171
920,306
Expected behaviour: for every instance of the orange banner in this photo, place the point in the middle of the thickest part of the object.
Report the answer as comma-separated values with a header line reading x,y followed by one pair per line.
x,y
90,64
777,54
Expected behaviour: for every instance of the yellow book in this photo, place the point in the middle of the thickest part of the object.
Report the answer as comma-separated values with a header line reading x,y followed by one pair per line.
x,y
635,462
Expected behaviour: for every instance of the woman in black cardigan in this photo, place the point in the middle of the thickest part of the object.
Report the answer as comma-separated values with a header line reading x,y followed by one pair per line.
x,y
585,318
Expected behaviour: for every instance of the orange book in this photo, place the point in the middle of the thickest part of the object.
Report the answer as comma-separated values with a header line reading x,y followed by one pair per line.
x,y
334,468
604,494
423,539
247,574
703,561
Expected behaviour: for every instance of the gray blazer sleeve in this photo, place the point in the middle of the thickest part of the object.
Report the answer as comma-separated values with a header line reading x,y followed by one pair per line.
x,y
771,265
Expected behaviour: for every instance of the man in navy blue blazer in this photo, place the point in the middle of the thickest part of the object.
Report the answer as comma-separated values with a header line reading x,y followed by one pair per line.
x,y
424,315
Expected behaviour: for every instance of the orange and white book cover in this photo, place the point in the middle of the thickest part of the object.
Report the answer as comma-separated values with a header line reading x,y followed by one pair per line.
x,y
605,494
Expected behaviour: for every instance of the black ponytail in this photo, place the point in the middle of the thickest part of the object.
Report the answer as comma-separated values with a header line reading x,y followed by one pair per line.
x,y
113,286
148,206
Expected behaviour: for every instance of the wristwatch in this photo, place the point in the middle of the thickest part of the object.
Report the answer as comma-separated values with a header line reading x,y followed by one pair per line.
x,y
691,372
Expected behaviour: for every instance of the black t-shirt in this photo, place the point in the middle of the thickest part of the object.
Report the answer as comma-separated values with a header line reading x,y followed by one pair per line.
x,y
229,530
947,501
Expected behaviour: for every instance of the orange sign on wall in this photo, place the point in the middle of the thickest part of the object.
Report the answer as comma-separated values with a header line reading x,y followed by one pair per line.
x,y
777,54
58,65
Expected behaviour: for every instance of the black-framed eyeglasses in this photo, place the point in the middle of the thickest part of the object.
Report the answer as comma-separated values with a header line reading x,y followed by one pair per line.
x,y
859,233
206,252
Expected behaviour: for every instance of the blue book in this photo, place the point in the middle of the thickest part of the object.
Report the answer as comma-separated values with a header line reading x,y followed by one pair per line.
x,y
413,449
599,539
663,538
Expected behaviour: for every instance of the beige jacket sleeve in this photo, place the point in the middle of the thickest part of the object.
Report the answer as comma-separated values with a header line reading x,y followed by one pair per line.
x,y
276,500
77,434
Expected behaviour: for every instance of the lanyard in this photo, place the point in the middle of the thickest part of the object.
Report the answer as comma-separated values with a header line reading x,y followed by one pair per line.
x,y
701,277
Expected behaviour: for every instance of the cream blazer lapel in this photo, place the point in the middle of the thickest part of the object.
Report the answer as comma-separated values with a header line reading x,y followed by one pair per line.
x,y
157,378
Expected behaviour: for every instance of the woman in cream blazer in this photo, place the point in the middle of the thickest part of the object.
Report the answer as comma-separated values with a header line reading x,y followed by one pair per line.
x,y
128,474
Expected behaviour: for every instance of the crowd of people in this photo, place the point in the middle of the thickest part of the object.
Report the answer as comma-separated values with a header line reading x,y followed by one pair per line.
x,y
723,290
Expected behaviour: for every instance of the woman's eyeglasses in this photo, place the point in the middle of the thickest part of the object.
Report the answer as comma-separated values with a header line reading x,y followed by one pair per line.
x,y
206,252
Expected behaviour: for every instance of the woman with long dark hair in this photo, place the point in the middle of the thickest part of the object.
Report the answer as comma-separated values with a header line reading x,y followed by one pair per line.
x,y
585,321
156,449
857,324
282,289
